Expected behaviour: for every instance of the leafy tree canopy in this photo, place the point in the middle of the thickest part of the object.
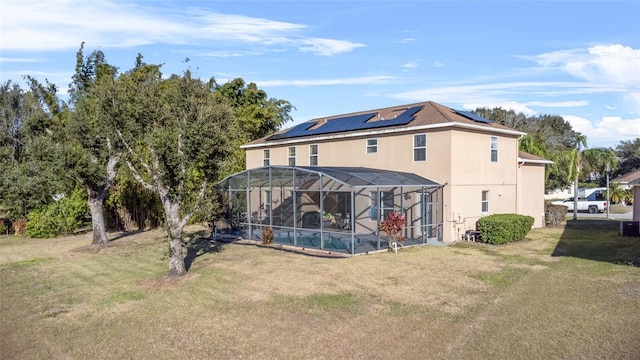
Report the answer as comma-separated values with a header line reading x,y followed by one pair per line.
x,y
628,153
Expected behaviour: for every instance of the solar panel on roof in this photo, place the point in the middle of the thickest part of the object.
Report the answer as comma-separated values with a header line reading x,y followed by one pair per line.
x,y
472,116
297,130
347,123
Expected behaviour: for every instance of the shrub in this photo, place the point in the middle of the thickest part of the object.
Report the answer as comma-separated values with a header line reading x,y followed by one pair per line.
x,y
3,227
267,235
393,227
555,214
502,228
60,217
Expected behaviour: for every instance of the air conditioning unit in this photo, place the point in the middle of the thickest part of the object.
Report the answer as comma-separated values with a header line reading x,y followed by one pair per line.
x,y
630,228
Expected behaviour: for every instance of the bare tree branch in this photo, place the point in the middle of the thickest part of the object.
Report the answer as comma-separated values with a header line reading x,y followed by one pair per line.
x,y
139,178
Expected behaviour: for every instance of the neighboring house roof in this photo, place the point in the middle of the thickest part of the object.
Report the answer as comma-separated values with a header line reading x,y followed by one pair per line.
x,y
424,115
632,178
533,159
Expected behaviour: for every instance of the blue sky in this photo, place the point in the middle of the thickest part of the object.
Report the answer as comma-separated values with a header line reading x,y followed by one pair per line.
x,y
577,59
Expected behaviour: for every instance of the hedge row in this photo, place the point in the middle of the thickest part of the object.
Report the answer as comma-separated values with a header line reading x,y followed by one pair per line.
x,y
503,228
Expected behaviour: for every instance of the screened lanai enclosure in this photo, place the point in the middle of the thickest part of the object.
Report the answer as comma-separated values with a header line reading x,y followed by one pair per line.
x,y
335,209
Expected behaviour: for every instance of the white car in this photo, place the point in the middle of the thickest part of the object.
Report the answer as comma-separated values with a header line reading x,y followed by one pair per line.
x,y
584,205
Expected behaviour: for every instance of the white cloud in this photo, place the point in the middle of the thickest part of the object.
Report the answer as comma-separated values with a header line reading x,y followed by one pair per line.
x,y
525,107
227,53
602,63
327,82
411,64
518,108
63,25
328,47
558,104
246,28
608,130
438,64
605,68
406,40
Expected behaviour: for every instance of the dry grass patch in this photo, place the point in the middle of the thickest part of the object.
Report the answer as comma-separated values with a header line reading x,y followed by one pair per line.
x,y
433,276
63,300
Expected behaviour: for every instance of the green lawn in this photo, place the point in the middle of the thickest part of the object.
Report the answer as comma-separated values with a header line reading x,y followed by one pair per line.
x,y
563,293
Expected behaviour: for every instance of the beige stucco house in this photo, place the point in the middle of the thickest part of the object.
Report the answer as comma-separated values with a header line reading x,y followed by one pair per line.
x,y
475,163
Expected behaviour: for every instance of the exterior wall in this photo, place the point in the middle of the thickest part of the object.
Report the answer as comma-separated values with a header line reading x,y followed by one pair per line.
x,y
531,191
460,159
473,172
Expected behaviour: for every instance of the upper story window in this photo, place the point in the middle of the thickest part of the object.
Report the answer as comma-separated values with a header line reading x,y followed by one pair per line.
x,y
485,201
266,157
494,149
292,156
313,155
420,147
372,146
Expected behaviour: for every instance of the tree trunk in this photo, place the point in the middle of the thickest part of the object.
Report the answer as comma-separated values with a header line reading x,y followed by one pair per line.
x,y
176,257
96,200
175,226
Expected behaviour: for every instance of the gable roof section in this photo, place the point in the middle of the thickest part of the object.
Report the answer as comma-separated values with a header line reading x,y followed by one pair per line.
x,y
631,178
525,157
416,116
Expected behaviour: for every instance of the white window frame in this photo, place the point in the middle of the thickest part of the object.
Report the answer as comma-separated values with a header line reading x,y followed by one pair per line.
x,y
313,155
372,146
417,148
494,149
266,157
292,156
485,201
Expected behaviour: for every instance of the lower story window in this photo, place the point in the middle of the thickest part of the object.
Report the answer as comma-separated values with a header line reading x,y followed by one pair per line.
x,y
485,201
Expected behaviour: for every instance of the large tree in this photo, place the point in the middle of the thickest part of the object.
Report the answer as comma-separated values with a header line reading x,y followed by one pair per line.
x,y
598,162
256,115
31,146
92,132
629,154
179,136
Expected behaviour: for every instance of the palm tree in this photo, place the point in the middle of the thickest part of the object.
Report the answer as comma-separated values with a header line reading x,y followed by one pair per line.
x,y
532,146
617,193
575,166
599,161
